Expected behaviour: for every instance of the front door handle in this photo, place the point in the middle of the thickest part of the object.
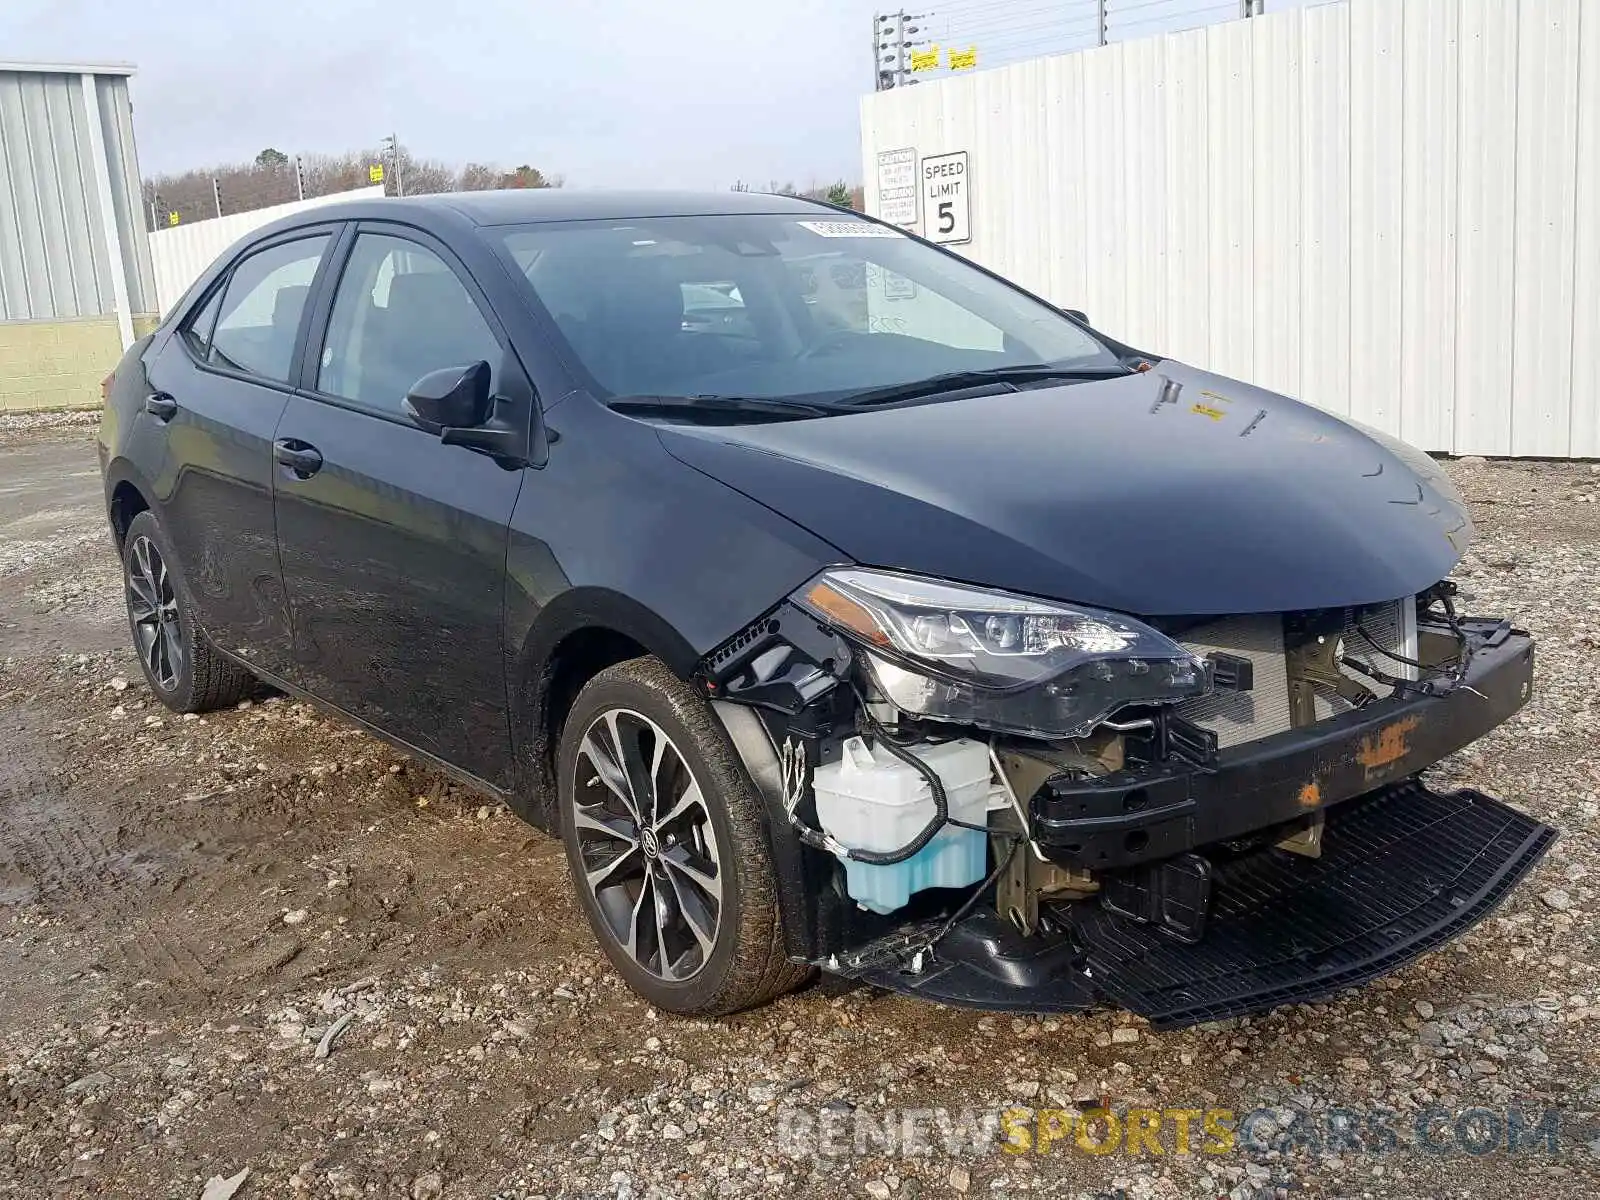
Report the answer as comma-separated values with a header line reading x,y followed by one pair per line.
x,y
302,459
161,406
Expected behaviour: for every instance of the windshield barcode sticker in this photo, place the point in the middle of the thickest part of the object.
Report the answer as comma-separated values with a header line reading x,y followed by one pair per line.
x,y
850,229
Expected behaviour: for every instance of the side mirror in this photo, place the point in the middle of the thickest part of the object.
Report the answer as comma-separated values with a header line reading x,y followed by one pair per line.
x,y
454,398
1077,314
456,404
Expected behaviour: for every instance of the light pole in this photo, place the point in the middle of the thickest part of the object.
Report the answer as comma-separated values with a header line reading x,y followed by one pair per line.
x,y
392,145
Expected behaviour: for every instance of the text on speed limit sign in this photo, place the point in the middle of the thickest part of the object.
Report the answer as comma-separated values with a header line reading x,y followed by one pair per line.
x,y
946,198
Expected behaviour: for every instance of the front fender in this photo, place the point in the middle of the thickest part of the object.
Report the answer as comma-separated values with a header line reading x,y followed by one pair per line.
x,y
581,621
615,537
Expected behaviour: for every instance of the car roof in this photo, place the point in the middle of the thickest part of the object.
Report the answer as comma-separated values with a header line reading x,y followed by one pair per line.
x,y
515,206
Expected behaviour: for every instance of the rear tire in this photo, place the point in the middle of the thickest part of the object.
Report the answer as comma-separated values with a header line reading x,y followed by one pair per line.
x,y
182,668
664,838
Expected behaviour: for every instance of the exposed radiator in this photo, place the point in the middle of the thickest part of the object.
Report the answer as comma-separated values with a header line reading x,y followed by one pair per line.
x,y
1394,627
1243,716
1237,717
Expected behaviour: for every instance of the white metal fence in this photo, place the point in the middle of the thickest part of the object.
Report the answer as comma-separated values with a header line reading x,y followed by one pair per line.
x,y
1391,210
182,252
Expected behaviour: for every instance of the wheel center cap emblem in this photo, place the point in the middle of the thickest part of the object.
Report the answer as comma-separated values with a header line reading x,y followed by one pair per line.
x,y
647,842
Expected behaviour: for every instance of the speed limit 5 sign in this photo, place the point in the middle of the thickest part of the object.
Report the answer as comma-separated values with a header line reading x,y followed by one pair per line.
x,y
946,198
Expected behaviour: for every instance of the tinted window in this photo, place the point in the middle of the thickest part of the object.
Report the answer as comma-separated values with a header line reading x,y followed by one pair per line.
x,y
400,312
779,306
261,309
197,329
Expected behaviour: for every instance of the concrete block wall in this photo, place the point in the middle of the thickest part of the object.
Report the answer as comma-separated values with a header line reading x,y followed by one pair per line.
x,y
56,364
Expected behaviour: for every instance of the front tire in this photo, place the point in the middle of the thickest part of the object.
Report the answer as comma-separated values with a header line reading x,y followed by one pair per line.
x,y
183,670
664,837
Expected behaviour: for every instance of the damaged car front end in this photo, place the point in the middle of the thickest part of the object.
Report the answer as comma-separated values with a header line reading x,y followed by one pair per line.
x,y
1191,814
1194,824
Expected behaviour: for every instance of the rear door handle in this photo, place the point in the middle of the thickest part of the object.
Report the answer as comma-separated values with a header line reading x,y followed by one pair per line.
x,y
161,406
301,458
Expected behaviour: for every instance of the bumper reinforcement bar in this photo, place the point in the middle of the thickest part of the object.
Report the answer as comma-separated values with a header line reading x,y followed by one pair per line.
x,y
1151,813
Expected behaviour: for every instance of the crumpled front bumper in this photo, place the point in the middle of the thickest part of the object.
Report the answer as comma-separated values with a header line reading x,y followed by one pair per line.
x,y
1149,813
1402,871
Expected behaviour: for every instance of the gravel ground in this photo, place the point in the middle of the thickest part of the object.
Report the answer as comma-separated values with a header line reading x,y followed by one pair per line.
x,y
262,940
13,425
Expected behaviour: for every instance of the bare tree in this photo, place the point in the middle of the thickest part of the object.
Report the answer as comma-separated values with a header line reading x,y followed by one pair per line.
x,y
269,179
529,177
239,188
426,176
478,177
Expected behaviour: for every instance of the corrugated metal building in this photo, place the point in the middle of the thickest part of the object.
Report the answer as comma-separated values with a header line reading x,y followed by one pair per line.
x,y
76,284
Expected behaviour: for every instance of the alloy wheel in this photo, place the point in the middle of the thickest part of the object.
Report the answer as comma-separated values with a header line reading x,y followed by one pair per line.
x,y
153,609
647,844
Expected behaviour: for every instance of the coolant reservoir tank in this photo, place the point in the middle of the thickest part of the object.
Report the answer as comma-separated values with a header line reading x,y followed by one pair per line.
x,y
871,800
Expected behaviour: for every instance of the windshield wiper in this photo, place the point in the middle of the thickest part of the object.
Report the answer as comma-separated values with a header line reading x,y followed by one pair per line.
x,y
739,405
952,381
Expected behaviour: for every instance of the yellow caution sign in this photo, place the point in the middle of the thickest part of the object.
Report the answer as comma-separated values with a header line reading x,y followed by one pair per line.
x,y
964,60
925,60
375,173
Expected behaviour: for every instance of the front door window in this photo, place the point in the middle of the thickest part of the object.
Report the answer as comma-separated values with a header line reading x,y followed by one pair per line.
x,y
400,313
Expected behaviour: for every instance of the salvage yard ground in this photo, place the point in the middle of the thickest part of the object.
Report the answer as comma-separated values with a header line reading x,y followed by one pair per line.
x,y
188,905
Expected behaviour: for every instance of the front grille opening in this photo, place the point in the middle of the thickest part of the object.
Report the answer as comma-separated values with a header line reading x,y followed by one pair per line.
x,y
1391,626
1265,710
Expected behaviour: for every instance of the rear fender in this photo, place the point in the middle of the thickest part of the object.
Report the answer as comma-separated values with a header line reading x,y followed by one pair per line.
x,y
115,473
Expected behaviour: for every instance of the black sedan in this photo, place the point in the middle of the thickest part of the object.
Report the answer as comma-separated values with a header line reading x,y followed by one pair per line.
x,y
838,602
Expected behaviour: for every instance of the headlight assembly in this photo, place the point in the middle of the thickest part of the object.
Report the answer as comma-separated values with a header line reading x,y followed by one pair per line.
x,y
1001,661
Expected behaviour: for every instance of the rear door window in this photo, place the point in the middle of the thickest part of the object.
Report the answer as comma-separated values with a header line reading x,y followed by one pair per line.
x,y
197,329
261,309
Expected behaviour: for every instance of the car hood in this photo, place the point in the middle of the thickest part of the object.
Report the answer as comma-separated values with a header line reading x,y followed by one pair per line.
x,y
1169,492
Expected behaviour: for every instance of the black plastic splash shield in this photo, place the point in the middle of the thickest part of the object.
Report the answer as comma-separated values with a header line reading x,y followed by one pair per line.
x,y
1402,871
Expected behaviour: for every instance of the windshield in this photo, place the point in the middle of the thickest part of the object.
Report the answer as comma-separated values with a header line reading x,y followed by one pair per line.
x,y
779,307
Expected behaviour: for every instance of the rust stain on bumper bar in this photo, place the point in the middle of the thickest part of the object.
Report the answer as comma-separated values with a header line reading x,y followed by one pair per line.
x,y
1388,746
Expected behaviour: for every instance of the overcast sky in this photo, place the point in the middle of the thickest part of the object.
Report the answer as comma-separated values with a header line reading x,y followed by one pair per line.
x,y
609,93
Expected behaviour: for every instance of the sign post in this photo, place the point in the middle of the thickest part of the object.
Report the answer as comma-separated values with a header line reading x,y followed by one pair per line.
x,y
947,198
